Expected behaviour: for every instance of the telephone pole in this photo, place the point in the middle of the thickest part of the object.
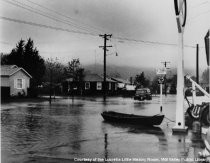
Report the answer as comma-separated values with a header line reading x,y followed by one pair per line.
x,y
106,37
165,65
197,63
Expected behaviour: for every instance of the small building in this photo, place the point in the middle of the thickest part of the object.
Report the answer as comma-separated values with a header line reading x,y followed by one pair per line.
x,y
15,81
124,87
121,83
92,84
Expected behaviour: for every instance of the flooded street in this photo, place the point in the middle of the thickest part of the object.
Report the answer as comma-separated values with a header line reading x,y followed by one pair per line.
x,y
72,128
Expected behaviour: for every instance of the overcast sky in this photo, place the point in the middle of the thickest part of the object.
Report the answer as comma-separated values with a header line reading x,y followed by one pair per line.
x,y
146,20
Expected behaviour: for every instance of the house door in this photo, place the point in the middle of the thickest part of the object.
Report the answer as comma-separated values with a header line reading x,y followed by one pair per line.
x,y
5,92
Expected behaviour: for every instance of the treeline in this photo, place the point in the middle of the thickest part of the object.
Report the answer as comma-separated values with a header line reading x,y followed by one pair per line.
x,y
141,81
47,71
43,71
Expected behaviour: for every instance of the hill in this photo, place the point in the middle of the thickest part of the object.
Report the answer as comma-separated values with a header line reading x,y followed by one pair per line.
x,y
125,72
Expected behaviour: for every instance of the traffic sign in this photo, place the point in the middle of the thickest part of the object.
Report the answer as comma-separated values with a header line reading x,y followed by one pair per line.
x,y
160,80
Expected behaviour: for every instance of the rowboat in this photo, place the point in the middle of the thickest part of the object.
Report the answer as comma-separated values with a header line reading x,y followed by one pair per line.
x,y
112,116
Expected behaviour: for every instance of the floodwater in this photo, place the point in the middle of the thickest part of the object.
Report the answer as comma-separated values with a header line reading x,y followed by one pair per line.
x,y
72,130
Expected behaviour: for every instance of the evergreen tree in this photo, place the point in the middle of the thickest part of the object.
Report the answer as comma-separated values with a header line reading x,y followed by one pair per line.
x,y
141,81
27,57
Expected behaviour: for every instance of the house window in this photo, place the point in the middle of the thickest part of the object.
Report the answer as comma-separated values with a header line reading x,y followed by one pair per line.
x,y
110,86
87,85
20,83
99,86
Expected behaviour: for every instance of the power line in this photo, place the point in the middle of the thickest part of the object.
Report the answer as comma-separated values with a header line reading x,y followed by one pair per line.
x,y
91,34
39,12
200,4
200,14
143,41
60,14
121,39
45,26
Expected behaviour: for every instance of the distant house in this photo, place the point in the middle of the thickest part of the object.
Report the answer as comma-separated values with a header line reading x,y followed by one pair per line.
x,y
124,87
91,84
14,81
121,83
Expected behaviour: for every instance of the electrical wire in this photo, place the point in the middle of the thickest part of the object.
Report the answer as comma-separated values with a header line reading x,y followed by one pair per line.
x,y
45,26
68,17
86,33
121,39
74,31
44,14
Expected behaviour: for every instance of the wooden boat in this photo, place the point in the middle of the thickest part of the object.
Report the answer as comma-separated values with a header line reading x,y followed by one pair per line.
x,y
132,119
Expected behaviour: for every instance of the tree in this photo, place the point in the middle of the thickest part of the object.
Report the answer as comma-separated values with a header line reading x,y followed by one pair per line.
x,y
4,58
155,87
205,76
140,80
27,57
74,70
54,68
173,82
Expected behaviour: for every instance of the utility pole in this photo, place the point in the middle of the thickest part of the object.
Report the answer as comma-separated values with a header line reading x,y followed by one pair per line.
x,y
105,36
50,84
51,65
197,63
165,65
181,15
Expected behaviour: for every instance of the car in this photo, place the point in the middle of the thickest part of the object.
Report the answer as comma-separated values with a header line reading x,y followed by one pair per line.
x,y
143,94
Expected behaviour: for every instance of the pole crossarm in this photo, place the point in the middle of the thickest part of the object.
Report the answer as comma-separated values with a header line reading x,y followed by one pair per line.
x,y
198,86
165,63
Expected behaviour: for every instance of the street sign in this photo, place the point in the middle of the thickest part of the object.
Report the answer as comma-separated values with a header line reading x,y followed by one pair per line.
x,y
181,10
181,14
161,71
160,80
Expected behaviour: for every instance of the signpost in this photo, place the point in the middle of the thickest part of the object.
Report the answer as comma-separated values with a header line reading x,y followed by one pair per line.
x,y
181,13
161,72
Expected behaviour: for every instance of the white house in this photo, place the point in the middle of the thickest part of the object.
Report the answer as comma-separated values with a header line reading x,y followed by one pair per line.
x,y
14,81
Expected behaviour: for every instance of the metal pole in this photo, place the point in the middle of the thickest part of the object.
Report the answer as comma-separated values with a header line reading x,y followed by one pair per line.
x,y
180,121
209,70
165,85
105,36
197,63
198,86
104,66
161,97
50,84
193,93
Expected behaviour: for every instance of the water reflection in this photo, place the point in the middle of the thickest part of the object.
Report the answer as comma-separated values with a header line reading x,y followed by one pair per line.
x,y
106,145
33,118
150,130
74,128
139,106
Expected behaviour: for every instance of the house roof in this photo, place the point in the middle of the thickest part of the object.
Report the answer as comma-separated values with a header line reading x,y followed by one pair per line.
x,y
119,80
96,78
9,70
